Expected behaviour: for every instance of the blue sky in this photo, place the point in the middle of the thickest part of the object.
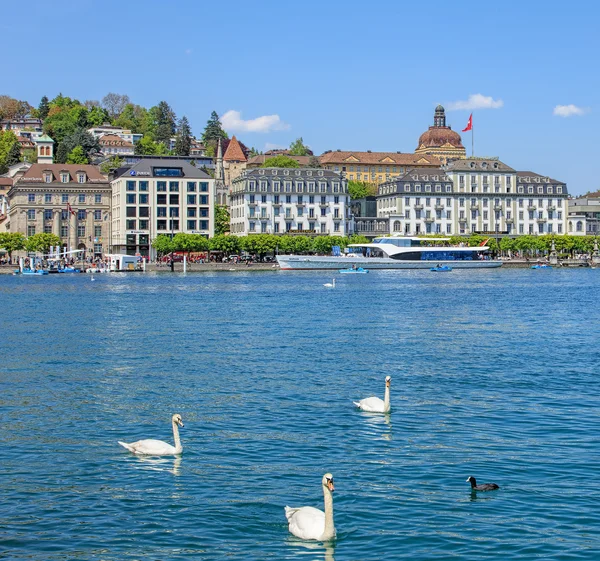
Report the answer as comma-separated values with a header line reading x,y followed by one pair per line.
x,y
343,75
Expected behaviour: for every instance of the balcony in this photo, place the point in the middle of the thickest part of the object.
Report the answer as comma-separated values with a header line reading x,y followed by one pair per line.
x,y
474,206
531,207
252,204
264,217
338,218
300,204
462,220
323,205
288,217
510,220
429,219
497,207
552,207
439,207
276,204
418,207
541,220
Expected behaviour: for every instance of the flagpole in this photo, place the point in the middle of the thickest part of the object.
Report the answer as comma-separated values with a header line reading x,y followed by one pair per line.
x,y
472,139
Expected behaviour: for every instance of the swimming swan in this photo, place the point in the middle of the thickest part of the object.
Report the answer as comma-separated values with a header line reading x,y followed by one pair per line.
x,y
311,523
151,447
375,404
329,284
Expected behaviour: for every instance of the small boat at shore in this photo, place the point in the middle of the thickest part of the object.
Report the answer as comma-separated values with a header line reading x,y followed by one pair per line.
x,y
357,270
441,268
37,272
541,266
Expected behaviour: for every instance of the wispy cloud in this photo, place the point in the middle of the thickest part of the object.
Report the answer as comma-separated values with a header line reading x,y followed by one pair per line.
x,y
569,110
232,121
189,51
475,101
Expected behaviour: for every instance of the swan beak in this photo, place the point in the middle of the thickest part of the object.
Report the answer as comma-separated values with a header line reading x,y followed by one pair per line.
x,y
180,423
330,485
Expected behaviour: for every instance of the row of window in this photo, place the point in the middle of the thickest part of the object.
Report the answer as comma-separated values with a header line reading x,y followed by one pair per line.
x,y
161,186
144,211
49,198
287,227
277,199
288,213
64,177
64,214
475,202
289,186
163,225
64,230
417,229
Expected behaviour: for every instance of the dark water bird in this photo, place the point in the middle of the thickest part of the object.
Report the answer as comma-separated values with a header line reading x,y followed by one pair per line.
x,y
483,486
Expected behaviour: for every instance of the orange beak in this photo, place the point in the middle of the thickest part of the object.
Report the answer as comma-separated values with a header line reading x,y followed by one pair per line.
x,y
330,485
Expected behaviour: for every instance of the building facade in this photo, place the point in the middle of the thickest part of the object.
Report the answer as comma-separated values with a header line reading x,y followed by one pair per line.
x,y
284,200
474,195
113,145
584,216
234,161
159,196
69,200
375,167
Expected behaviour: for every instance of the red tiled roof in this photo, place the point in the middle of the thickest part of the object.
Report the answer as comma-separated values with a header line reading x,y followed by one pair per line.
x,y
36,172
114,140
384,158
6,181
234,152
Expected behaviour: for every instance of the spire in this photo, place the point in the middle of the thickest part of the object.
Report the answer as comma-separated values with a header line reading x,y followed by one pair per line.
x,y
439,117
219,172
234,152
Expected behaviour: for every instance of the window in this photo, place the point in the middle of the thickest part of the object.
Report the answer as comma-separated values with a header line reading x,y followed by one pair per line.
x,y
143,225
31,198
203,185
191,212
191,199
131,212
203,200
47,228
323,212
64,231
191,188
173,199
47,198
161,186
130,198
80,230
81,198
47,214
144,212
191,224
81,214
31,214
174,212
48,177
97,231
143,199
143,186
276,228
64,177
560,228
130,186
203,212
174,186
161,224
167,172
81,177
31,230
161,211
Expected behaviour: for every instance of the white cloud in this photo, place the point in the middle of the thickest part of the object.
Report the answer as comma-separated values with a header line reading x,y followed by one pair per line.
x,y
232,121
475,101
189,51
569,110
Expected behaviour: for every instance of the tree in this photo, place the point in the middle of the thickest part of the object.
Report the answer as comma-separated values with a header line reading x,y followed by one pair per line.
x,y
11,108
30,155
80,137
183,139
146,146
226,244
43,108
12,241
41,243
9,150
165,124
254,152
163,244
212,132
14,154
314,162
65,117
77,156
222,219
361,189
298,148
97,116
280,162
108,165
114,104
133,118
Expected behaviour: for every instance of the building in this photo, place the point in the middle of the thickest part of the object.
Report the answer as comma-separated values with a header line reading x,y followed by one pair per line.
x,y
159,196
45,149
584,215
113,145
27,124
440,140
234,161
197,148
125,134
5,185
474,195
284,200
375,167
69,200
221,190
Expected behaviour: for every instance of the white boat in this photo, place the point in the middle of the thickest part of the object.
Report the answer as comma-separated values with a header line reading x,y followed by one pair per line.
x,y
396,252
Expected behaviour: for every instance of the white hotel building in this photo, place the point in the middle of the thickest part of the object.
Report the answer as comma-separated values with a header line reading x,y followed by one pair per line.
x,y
281,200
159,196
471,196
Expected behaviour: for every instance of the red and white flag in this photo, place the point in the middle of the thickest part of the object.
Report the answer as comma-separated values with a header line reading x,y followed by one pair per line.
x,y
70,209
469,124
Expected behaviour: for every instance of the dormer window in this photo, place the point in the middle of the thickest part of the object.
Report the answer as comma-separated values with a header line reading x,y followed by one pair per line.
x,y
274,172
495,165
64,177
261,171
47,177
309,173
559,190
321,173
80,177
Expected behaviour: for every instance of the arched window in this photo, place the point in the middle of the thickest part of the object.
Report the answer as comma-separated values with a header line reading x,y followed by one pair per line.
x,y
570,226
579,226
397,226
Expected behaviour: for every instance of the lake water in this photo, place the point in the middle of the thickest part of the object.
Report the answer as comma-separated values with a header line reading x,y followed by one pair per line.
x,y
494,374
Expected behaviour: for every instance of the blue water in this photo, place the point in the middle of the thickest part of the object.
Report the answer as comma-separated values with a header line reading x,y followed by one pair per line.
x,y
494,374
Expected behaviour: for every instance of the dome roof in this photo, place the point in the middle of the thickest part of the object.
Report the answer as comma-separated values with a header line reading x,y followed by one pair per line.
x,y
439,136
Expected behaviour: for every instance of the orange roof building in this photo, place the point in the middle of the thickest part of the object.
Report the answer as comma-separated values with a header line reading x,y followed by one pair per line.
x,y
440,140
234,152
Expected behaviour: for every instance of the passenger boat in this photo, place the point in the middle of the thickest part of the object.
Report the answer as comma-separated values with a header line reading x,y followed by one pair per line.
x,y
396,252
37,272
351,270
441,268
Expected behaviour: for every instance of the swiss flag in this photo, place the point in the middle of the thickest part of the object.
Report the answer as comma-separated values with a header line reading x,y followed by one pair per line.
x,y
469,124
70,209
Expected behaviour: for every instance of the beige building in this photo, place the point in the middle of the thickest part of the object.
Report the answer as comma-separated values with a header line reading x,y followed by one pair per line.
x,y
440,140
69,200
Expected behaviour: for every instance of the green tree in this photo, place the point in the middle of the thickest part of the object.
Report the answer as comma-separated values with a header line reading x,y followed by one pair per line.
x,y
97,116
133,118
361,189
82,138
12,241
146,146
11,108
280,162
110,164
165,124
357,238
324,244
314,162
43,108
222,220
30,155
41,243
183,138
163,244
227,244
9,150
189,242
212,132
298,148
259,244
77,156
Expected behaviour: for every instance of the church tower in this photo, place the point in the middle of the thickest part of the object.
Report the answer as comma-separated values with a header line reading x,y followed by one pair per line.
x,y
45,149
220,189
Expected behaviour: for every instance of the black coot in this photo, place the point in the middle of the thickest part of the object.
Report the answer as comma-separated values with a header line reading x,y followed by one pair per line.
x,y
483,487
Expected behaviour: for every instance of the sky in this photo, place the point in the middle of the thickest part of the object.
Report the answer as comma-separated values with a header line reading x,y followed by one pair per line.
x,y
342,75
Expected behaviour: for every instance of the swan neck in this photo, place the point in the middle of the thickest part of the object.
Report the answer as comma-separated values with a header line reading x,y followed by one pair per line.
x,y
386,399
329,531
178,446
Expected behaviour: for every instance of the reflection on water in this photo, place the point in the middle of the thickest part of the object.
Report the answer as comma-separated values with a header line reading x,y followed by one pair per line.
x,y
380,423
317,551
149,463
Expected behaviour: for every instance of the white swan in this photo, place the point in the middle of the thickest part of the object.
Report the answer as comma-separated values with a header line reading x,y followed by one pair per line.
x,y
311,523
151,447
376,404
329,284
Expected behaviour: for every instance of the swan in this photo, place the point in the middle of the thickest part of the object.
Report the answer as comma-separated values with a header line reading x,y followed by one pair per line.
x,y
329,284
375,404
151,447
310,523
